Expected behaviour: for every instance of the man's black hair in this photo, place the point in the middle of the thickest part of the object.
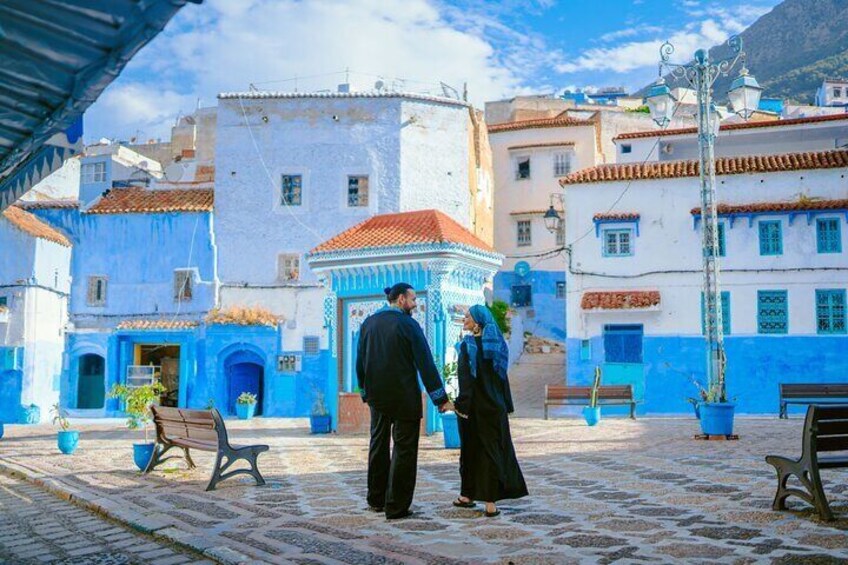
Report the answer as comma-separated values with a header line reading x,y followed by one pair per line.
x,y
394,292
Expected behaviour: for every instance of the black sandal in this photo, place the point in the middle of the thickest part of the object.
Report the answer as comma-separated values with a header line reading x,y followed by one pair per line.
x,y
460,504
492,514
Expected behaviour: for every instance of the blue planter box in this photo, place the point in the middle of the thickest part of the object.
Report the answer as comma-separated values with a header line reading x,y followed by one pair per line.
x,y
450,425
67,441
245,411
142,452
320,424
717,418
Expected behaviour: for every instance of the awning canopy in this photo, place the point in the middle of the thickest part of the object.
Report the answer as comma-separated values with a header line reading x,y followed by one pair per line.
x,y
56,58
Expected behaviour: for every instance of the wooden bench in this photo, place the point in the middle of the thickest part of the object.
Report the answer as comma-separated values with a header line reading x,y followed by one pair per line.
x,y
825,430
562,395
202,430
811,393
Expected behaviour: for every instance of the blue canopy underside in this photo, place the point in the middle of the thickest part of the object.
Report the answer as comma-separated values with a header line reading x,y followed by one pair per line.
x,y
56,58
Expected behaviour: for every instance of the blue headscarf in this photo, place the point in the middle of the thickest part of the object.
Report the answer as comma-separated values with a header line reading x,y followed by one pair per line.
x,y
494,344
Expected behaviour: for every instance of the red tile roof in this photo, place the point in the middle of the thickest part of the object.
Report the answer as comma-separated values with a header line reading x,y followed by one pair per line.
x,y
542,145
620,300
724,166
33,226
157,325
406,228
144,201
731,127
795,206
617,216
555,122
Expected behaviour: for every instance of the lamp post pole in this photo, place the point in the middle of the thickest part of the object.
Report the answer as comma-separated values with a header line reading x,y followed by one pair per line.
x,y
744,96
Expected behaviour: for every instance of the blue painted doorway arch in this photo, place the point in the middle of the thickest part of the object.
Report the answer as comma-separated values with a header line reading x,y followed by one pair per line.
x,y
245,372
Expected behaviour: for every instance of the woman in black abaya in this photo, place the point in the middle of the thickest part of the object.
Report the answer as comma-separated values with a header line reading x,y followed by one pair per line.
x,y
487,464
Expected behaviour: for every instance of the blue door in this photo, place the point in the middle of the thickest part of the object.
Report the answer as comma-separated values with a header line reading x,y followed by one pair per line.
x,y
244,377
623,357
91,384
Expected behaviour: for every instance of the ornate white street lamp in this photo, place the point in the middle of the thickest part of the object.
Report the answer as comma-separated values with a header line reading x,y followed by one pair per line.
x,y
744,97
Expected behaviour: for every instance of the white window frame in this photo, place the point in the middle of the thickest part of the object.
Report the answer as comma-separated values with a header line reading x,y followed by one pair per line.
x,y
519,242
284,263
567,156
90,298
190,275
367,177
91,173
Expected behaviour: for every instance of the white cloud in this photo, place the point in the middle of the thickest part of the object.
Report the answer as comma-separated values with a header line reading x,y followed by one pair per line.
x,y
135,110
630,32
224,45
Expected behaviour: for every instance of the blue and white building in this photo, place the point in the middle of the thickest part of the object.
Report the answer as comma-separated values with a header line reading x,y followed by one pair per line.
x,y
636,278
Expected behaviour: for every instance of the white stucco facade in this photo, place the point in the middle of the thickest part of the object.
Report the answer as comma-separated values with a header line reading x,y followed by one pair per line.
x,y
413,150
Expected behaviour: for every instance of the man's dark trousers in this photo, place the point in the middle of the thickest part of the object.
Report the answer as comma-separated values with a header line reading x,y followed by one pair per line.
x,y
391,477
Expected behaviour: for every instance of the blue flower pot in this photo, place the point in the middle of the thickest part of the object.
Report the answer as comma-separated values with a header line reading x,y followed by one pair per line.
x,y
717,418
450,425
592,415
320,424
1,430
142,452
245,411
67,441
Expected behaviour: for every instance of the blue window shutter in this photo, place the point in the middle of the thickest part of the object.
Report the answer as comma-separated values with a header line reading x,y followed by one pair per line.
x,y
830,311
828,235
771,238
623,343
722,248
772,312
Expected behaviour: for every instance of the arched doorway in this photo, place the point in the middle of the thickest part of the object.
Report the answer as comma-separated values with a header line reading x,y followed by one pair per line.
x,y
91,384
245,372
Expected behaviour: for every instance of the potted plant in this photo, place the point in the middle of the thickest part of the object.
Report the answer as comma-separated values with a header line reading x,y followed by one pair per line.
x,y
592,413
137,402
246,405
450,424
319,418
67,439
714,411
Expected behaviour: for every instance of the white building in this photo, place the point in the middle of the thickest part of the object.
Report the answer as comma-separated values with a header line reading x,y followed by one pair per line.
x,y
529,156
34,287
108,165
772,137
293,170
832,92
635,275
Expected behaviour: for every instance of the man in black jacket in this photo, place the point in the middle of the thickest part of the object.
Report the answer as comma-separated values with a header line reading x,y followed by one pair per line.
x,y
392,353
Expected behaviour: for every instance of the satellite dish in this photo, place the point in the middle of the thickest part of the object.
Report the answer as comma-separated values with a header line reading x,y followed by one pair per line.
x,y
174,172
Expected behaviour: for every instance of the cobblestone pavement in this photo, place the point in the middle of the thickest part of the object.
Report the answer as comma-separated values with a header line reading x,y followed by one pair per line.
x,y
624,491
38,527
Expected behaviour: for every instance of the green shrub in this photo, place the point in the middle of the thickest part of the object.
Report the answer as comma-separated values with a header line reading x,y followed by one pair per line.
x,y
499,310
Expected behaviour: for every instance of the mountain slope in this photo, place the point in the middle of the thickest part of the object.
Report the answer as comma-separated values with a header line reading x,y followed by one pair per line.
x,y
792,48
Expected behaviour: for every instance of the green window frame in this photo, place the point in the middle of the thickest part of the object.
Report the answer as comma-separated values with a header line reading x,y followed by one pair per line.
x,y
828,235
771,237
830,311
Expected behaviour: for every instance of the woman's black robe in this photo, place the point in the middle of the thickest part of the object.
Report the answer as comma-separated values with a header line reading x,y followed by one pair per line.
x,y
487,464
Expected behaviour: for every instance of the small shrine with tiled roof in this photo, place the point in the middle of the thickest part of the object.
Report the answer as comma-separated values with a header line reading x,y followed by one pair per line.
x,y
447,265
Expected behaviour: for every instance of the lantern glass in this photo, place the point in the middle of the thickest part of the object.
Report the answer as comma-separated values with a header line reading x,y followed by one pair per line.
x,y
744,94
660,103
552,220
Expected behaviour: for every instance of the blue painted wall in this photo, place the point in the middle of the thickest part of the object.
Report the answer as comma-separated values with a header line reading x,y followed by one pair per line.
x,y
755,367
548,311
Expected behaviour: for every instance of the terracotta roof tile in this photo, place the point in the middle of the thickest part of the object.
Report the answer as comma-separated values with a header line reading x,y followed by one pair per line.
x,y
205,173
143,201
33,226
620,300
157,325
795,206
556,122
731,127
724,166
406,228
617,216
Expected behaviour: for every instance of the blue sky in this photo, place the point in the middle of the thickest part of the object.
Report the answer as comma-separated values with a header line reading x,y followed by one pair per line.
x,y
499,49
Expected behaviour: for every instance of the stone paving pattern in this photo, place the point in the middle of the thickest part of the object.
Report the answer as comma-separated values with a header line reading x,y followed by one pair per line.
x,y
38,527
624,491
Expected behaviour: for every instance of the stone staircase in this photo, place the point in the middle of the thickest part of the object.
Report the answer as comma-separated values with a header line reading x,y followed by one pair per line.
x,y
527,380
